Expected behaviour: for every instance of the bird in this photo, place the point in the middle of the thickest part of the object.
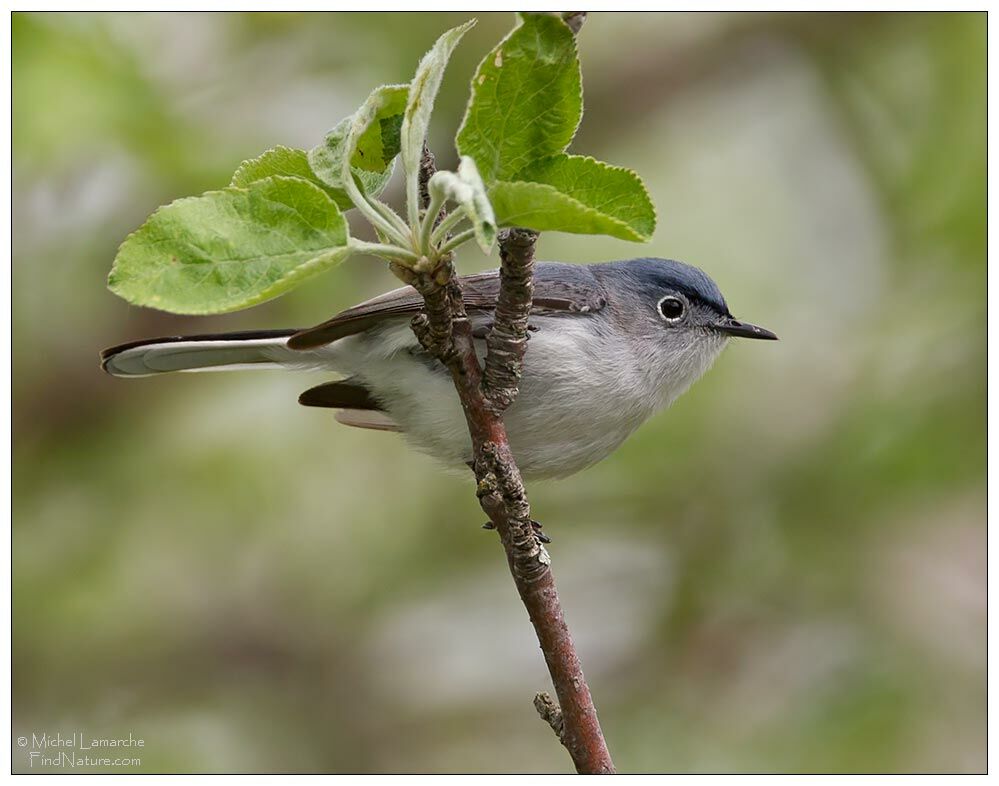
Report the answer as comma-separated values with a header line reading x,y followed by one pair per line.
x,y
610,345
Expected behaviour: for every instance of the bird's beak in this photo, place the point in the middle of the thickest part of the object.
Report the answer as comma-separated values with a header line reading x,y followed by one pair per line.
x,y
734,327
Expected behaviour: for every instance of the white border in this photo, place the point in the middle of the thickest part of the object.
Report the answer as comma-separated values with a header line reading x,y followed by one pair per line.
x,y
314,5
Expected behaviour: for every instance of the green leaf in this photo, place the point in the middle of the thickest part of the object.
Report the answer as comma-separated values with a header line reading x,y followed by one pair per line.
x,y
230,249
326,162
467,189
576,194
372,137
526,99
422,94
287,162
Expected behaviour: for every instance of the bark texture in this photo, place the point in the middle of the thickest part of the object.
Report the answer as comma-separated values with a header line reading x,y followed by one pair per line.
x,y
486,392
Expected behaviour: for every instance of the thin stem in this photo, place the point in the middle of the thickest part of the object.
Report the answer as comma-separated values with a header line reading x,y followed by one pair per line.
x,y
413,196
427,227
361,202
385,251
390,215
450,221
456,241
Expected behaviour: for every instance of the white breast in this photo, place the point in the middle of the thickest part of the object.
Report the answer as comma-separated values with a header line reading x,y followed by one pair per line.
x,y
580,397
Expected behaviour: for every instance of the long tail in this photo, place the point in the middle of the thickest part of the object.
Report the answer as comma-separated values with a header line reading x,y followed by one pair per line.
x,y
221,351
253,349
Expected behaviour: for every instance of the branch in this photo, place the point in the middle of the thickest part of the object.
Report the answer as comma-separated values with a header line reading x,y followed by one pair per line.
x,y
507,341
428,166
446,333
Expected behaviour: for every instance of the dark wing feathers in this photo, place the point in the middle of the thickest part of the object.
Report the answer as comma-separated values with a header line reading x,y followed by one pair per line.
x,y
556,289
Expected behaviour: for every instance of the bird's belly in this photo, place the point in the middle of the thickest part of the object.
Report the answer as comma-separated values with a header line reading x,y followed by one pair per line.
x,y
552,433
553,443
560,426
568,415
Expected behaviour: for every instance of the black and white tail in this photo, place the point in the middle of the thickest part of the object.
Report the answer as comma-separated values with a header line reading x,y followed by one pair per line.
x,y
218,352
254,349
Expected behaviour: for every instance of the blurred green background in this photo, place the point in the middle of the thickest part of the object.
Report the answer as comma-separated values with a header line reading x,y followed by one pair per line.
x,y
785,572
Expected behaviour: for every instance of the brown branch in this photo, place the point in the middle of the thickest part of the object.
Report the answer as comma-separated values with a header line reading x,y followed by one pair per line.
x,y
445,332
507,341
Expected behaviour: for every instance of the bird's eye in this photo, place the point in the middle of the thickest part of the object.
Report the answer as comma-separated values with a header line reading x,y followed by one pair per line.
x,y
671,308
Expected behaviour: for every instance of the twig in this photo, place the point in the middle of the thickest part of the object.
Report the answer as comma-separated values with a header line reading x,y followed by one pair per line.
x,y
445,332
550,714
507,341
428,166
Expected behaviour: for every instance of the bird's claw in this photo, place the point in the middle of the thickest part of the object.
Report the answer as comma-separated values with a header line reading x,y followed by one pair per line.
x,y
541,536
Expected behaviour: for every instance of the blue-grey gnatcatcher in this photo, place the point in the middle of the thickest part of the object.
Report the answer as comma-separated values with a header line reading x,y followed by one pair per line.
x,y
610,345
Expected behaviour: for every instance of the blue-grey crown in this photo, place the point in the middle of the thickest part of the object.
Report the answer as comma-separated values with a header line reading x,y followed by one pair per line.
x,y
649,274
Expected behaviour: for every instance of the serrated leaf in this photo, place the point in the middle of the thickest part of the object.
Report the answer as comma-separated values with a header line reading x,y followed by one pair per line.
x,y
576,194
326,161
422,94
526,99
230,249
287,162
467,189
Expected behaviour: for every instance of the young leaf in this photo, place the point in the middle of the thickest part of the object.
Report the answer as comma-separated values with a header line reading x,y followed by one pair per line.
x,y
467,189
287,162
373,133
368,141
526,99
230,249
576,194
422,94
326,162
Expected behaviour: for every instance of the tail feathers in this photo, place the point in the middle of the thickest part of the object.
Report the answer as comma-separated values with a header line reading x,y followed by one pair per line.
x,y
257,349
221,351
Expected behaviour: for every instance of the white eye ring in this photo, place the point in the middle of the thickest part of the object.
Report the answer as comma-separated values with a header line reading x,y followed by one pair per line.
x,y
666,308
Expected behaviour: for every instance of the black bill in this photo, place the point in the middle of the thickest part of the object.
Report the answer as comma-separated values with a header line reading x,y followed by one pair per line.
x,y
734,327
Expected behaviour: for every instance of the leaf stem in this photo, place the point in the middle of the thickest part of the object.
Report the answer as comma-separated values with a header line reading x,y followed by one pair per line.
x,y
390,215
456,241
450,222
370,212
429,217
412,196
385,251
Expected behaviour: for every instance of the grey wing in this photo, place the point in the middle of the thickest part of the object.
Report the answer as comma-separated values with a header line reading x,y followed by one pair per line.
x,y
557,288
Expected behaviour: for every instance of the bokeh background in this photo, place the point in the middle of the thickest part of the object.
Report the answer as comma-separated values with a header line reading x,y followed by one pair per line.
x,y
785,572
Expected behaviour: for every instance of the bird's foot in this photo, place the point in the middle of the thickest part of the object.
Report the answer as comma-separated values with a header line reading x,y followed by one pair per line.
x,y
541,536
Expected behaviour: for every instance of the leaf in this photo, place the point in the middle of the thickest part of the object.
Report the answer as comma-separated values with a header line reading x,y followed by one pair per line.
x,y
576,194
230,249
467,189
526,99
422,94
326,162
372,137
287,162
